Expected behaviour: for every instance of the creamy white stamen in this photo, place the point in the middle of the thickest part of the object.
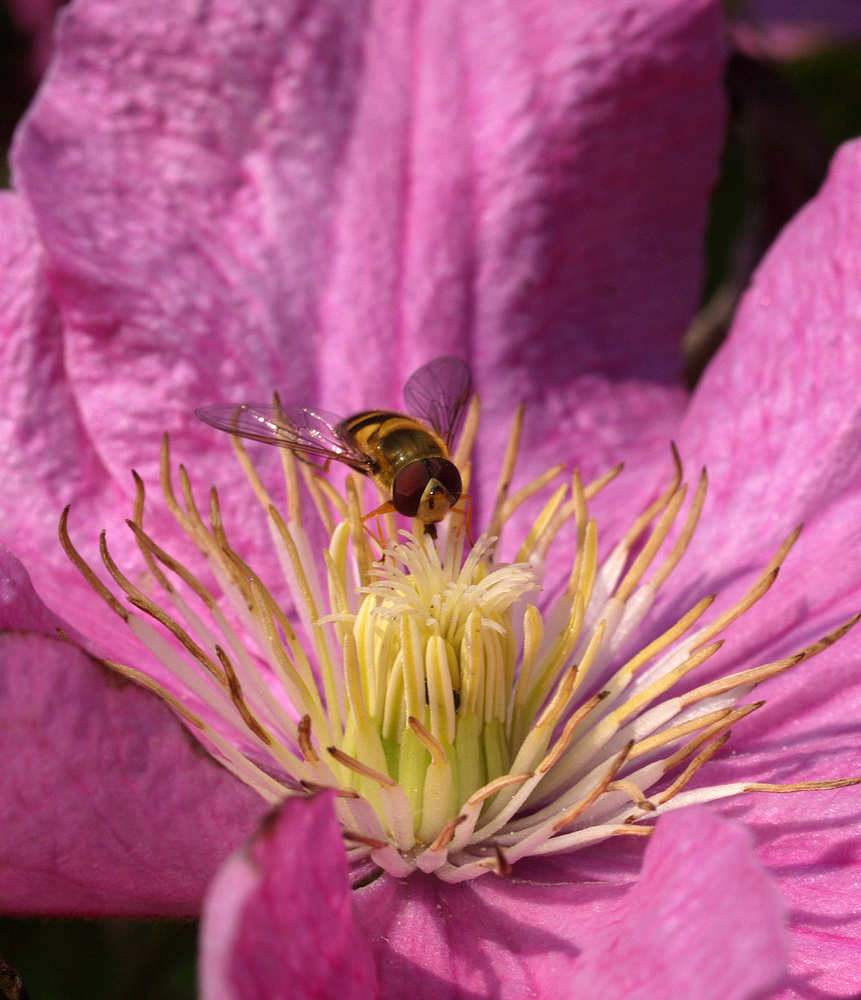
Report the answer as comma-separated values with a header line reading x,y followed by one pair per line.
x,y
464,723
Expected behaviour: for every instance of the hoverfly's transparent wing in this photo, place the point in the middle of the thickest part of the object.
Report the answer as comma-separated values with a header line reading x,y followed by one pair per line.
x,y
310,433
438,393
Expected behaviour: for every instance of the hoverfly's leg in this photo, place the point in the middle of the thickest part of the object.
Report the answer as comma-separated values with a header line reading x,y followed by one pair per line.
x,y
385,508
320,466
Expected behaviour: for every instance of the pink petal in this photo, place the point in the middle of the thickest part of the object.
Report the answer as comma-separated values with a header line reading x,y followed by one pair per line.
x,y
778,424
808,840
777,421
702,921
776,418
20,606
279,921
376,185
107,805
39,406
49,459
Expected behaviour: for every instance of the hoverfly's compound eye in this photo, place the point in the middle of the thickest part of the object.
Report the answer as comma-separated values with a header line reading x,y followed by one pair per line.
x,y
408,488
410,484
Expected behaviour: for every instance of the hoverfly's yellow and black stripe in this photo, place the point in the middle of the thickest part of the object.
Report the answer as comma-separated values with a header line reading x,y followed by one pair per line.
x,y
393,441
408,457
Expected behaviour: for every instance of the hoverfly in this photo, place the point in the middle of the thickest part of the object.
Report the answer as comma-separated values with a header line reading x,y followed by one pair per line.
x,y
407,456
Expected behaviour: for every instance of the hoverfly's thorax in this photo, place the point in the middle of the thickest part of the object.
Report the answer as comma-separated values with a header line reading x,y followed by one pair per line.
x,y
404,445
394,441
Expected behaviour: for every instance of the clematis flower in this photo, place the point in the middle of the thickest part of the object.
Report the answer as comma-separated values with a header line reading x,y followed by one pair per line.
x,y
462,728
514,220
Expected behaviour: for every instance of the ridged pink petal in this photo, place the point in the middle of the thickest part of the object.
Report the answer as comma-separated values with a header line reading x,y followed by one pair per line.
x,y
279,920
20,606
807,731
703,920
777,420
317,197
49,458
108,806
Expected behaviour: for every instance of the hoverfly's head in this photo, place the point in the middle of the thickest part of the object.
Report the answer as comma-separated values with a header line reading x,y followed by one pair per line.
x,y
427,489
